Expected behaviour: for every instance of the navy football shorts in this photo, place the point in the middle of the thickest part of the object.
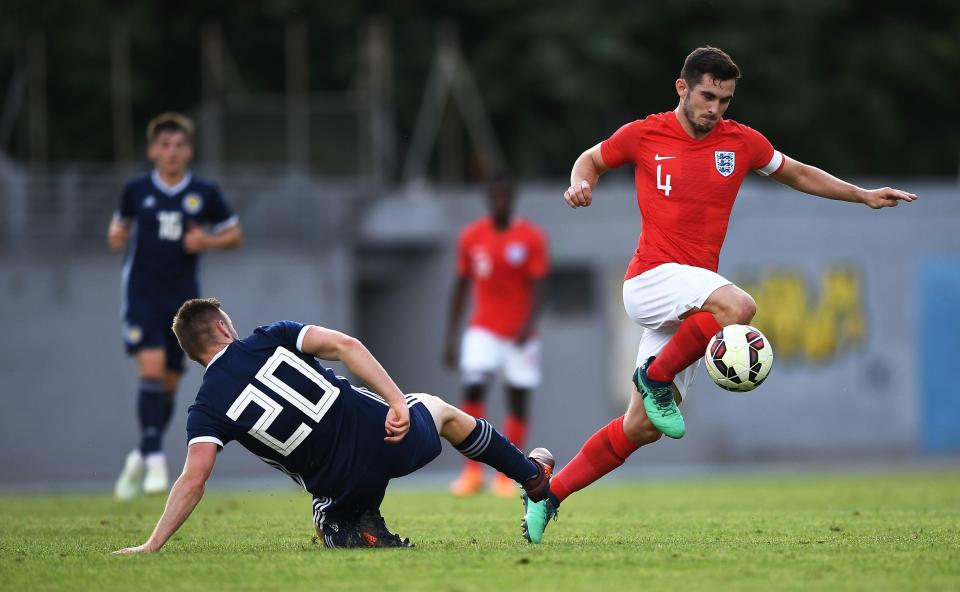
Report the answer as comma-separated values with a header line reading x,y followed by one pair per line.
x,y
146,324
417,449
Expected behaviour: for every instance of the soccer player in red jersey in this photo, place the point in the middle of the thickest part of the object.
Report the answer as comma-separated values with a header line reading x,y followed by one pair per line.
x,y
689,164
505,258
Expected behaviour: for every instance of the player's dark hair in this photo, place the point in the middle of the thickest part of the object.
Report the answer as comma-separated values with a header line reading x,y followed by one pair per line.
x,y
708,60
169,122
193,325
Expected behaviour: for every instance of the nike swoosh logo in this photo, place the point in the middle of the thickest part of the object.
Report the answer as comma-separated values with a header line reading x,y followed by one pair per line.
x,y
658,157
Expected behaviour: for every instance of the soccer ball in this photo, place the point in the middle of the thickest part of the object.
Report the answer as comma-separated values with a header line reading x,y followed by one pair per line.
x,y
739,358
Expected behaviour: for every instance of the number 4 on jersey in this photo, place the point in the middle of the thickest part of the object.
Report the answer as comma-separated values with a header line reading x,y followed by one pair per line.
x,y
663,184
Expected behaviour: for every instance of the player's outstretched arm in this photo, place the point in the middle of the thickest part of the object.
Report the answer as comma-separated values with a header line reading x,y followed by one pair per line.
x,y
583,178
810,179
328,344
184,497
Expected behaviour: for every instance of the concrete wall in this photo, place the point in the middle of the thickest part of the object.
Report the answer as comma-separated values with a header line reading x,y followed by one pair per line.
x,y
68,390
846,384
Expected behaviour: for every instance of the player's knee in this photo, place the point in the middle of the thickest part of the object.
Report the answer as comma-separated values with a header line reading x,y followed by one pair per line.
x,y
438,408
737,310
746,309
153,375
431,401
151,365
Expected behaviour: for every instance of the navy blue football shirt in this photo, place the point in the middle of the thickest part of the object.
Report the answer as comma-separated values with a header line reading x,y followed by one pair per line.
x,y
161,214
285,407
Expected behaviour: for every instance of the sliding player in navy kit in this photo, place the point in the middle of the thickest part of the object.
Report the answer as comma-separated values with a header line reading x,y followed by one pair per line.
x,y
341,443
168,217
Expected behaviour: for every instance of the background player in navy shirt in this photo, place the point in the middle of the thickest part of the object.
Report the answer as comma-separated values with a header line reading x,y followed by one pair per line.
x,y
165,220
341,443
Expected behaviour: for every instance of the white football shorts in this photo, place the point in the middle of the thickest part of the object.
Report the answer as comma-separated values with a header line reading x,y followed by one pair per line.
x,y
658,297
483,353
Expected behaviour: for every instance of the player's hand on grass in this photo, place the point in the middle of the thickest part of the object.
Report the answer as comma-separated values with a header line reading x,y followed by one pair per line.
x,y
195,240
886,197
133,550
397,424
579,195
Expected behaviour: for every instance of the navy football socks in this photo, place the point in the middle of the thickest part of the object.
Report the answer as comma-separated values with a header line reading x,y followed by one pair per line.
x,y
487,445
152,415
167,405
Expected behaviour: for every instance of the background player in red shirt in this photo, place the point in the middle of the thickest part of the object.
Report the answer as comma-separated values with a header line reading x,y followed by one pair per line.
x,y
689,165
506,260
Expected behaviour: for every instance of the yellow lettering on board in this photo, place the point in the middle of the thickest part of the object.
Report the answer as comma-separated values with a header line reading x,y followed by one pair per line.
x,y
801,326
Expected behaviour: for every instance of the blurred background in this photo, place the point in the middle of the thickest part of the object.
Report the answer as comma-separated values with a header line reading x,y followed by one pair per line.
x,y
353,139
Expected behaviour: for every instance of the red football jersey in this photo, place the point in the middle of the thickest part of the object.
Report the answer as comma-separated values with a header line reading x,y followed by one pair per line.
x,y
686,187
502,266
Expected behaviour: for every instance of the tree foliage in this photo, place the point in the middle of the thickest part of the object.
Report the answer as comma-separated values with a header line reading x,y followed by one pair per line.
x,y
837,83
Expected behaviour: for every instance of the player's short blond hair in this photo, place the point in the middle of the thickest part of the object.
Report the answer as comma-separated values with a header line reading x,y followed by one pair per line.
x,y
170,121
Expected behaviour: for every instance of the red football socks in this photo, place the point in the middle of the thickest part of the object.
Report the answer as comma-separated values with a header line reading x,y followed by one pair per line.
x,y
515,429
685,347
602,453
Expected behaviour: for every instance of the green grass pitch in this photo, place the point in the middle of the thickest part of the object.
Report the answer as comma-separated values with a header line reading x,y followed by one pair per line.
x,y
803,532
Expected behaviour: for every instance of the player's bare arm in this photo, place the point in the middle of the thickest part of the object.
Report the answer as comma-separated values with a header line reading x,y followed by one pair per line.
x,y
197,240
118,233
184,497
810,179
328,344
583,178
458,299
531,325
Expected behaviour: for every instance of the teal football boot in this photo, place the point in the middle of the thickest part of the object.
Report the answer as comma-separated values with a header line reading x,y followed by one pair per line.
x,y
536,516
659,403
